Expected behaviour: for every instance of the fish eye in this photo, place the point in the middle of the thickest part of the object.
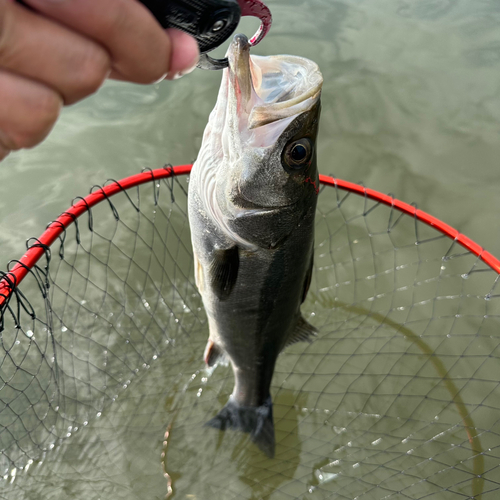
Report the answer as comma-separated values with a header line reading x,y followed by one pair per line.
x,y
297,154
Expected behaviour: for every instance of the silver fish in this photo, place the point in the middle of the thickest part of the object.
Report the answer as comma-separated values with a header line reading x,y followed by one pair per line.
x,y
252,201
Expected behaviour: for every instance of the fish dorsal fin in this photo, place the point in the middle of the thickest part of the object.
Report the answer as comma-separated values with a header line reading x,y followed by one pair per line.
x,y
223,271
303,332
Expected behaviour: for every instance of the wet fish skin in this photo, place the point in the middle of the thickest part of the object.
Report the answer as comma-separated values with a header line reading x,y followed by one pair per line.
x,y
289,197
252,227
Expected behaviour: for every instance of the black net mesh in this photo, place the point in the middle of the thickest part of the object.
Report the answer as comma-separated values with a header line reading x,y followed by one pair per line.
x,y
104,392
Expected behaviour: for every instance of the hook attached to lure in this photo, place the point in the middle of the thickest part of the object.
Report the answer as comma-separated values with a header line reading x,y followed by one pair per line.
x,y
211,22
253,8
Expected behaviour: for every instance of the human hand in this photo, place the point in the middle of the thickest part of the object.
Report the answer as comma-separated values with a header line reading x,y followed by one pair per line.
x,y
65,50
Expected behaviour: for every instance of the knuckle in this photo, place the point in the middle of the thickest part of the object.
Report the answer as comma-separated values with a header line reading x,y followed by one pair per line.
x,y
4,147
4,26
48,108
3,153
43,115
92,69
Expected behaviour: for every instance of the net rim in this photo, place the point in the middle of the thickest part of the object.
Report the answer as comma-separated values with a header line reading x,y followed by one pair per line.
x,y
13,278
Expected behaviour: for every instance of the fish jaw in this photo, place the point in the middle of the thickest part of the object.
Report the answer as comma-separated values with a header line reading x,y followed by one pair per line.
x,y
264,95
240,78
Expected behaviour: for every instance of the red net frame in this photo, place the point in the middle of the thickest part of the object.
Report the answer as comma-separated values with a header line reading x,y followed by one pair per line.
x,y
340,190
56,228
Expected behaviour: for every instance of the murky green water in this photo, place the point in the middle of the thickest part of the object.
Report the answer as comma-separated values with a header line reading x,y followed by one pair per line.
x,y
411,105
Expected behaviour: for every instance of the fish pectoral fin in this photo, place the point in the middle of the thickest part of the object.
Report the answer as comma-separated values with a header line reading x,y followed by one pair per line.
x,y
223,271
198,273
255,420
213,353
303,332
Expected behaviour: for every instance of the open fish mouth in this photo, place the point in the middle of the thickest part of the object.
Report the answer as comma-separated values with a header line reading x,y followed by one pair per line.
x,y
267,92
258,98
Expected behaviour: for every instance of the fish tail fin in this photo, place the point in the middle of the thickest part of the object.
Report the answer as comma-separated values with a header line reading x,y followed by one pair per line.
x,y
257,421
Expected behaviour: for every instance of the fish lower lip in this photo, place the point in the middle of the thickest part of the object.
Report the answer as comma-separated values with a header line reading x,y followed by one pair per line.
x,y
244,204
241,42
255,211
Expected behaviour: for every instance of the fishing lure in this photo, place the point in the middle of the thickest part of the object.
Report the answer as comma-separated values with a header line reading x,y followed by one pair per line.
x,y
210,22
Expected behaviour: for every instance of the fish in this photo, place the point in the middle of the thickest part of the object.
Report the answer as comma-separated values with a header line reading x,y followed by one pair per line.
x,y
252,199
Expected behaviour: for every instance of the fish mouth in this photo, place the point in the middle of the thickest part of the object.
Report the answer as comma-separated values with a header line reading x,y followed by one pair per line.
x,y
242,203
240,71
264,91
258,99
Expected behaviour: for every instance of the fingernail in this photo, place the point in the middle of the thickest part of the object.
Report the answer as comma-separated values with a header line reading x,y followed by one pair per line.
x,y
180,74
185,54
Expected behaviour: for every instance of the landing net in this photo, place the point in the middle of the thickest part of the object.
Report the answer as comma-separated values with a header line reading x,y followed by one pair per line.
x,y
104,393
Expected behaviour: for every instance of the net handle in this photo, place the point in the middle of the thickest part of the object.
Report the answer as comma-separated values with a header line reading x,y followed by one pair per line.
x,y
56,228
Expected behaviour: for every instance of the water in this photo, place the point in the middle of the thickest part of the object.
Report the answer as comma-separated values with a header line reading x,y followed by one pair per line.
x,y
398,393
411,105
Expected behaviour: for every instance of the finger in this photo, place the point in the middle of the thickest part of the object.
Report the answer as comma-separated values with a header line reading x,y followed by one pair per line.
x,y
3,152
184,50
182,61
140,49
29,113
42,50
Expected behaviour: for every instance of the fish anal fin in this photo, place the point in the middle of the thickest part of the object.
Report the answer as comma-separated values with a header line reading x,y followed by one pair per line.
x,y
213,353
256,421
223,271
303,332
